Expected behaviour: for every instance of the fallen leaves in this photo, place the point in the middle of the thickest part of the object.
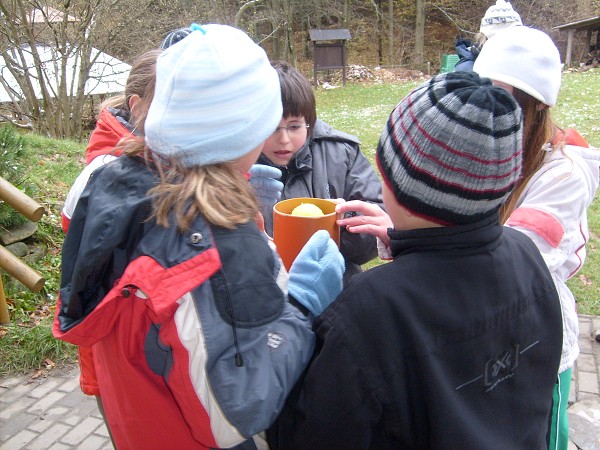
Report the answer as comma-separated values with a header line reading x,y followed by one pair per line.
x,y
585,280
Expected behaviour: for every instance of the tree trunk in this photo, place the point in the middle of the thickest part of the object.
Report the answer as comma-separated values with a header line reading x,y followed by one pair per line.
x,y
391,32
345,19
379,30
419,33
319,14
290,47
276,34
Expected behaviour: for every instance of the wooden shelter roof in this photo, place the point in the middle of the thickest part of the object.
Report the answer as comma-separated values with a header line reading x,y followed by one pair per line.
x,y
590,26
592,22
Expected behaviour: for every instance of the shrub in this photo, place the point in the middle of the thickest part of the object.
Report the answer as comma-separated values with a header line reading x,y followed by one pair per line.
x,y
12,149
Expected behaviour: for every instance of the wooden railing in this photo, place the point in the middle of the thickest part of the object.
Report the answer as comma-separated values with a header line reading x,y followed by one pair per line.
x,y
11,264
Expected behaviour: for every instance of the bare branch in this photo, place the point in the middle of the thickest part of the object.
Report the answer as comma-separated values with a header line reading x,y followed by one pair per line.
x,y
243,9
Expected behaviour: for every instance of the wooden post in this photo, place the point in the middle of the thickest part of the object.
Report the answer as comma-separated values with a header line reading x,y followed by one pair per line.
x,y
4,318
315,63
344,62
570,35
20,201
21,271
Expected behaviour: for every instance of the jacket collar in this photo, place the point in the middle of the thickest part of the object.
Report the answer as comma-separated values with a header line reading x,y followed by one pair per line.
x,y
471,237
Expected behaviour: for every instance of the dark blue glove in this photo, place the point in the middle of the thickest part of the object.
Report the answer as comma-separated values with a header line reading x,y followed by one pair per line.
x,y
316,273
264,180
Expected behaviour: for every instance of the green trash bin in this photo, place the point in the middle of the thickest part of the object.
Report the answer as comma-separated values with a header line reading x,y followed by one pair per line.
x,y
448,63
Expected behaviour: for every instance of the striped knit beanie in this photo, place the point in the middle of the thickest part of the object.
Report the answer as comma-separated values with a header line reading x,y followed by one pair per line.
x,y
451,150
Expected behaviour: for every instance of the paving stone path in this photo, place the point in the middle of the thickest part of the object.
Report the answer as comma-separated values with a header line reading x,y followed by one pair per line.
x,y
51,413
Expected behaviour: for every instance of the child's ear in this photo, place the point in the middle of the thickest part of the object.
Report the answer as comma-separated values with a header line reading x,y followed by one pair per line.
x,y
134,100
541,106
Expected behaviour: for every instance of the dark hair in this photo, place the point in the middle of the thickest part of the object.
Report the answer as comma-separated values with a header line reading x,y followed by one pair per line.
x,y
297,94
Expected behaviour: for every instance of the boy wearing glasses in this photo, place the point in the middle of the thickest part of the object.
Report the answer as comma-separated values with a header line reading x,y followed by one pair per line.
x,y
317,161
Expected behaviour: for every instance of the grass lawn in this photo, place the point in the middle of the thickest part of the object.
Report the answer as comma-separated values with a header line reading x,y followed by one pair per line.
x,y
51,166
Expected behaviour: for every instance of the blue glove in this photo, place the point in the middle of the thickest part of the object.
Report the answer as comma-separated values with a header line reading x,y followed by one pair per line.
x,y
316,273
266,185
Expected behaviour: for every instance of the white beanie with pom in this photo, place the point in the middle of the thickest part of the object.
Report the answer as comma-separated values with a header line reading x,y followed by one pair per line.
x,y
498,17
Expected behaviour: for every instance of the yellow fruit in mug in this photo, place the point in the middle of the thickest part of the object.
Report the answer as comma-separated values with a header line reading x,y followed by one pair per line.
x,y
307,210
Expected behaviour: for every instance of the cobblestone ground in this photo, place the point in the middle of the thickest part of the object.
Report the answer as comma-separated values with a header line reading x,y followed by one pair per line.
x,y
51,413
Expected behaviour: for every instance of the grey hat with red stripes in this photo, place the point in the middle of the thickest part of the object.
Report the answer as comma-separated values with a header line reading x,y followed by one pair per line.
x,y
451,151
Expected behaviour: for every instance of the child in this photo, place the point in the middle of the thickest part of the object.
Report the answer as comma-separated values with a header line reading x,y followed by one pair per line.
x,y
468,51
121,117
456,342
166,274
558,185
497,18
317,161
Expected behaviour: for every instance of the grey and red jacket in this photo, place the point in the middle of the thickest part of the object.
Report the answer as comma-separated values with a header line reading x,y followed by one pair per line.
x,y
195,343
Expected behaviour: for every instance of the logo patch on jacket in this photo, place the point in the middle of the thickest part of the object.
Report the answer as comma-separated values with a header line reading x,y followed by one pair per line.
x,y
274,340
499,368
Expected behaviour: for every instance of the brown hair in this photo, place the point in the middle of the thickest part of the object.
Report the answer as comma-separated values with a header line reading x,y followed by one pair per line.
x,y
218,191
140,82
538,129
297,95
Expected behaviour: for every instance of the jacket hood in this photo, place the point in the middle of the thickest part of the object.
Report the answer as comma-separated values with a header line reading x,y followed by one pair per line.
x,y
112,126
324,131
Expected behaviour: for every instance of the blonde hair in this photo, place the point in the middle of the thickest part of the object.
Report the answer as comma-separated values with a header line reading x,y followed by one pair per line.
x,y
218,192
538,130
479,39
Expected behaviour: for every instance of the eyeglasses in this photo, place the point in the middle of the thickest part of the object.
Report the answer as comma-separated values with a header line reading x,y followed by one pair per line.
x,y
292,129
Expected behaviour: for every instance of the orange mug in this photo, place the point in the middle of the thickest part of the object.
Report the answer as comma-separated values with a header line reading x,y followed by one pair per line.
x,y
290,233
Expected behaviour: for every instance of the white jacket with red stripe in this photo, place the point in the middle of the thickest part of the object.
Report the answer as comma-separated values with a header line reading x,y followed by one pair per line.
x,y
552,211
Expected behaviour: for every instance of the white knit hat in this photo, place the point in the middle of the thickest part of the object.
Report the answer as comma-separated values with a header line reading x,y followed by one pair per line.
x,y
524,58
217,98
498,17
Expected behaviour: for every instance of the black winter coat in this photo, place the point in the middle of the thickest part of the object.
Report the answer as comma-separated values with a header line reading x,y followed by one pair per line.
x,y
455,344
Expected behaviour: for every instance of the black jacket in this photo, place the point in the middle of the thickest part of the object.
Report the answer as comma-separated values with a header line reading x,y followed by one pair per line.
x,y
331,165
453,345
